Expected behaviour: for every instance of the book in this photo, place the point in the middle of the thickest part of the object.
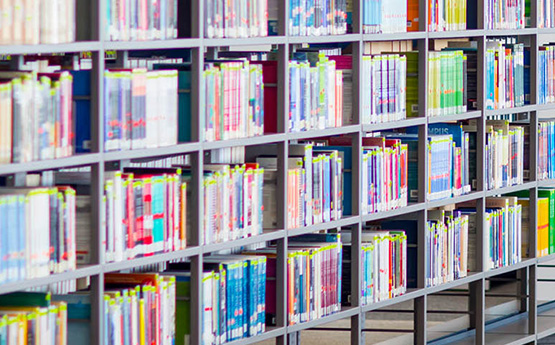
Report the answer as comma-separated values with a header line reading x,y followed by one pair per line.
x,y
315,97
501,14
35,125
384,86
546,86
446,83
383,16
234,91
550,194
235,19
443,15
38,245
504,74
546,14
543,227
317,18
504,154
130,20
139,308
141,108
36,22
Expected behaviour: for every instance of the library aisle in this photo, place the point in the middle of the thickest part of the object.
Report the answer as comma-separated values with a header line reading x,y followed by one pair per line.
x,y
209,172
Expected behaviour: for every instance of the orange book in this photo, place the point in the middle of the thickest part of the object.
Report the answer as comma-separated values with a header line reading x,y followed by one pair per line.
x,y
412,15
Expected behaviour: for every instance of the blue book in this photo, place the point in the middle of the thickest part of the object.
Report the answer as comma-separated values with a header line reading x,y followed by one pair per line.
x,y
82,115
345,153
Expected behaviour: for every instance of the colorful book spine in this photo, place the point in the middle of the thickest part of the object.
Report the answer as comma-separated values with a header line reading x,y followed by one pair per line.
x,y
504,154
546,150
235,19
446,83
384,16
141,108
234,93
38,245
140,20
139,309
384,85
317,17
504,75
37,116
145,213
37,22
233,202
384,175
504,14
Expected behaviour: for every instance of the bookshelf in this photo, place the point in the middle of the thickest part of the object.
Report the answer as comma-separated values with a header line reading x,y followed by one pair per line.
x,y
532,323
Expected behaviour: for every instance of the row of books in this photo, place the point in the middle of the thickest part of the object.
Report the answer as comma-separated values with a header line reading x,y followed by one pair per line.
x,y
504,74
503,232
505,14
317,17
140,108
32,318
234,19
384,81
234,297
446,247
384,265
447,15
145,213
132,20
384,16
546,150
316,95
234,92
36,117
546,72
384,175
37,232
139,308
233,202
446,83
314,182
504,154
37,22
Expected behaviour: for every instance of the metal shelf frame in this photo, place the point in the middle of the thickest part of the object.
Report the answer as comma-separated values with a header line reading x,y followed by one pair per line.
x,y
198,46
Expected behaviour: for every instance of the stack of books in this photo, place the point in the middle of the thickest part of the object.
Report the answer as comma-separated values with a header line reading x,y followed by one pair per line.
x,y
140,108
504,232
546,150
139,308
132,20
447,15
384,16
315,95
37,232
145,213
504,74
384,88
235,19
234,93
36,116
546,72
37,22
384,175
317,18
233,202
504,154
504,14
447,80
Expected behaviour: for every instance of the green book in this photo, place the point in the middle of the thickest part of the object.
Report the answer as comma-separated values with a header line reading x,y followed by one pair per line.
x,y
550,194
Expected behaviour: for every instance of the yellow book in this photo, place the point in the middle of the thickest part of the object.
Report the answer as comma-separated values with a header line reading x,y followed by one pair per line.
x,y
543,227
142,330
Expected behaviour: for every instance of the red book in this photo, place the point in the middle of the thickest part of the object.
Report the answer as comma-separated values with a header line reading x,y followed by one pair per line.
x,y
270,79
